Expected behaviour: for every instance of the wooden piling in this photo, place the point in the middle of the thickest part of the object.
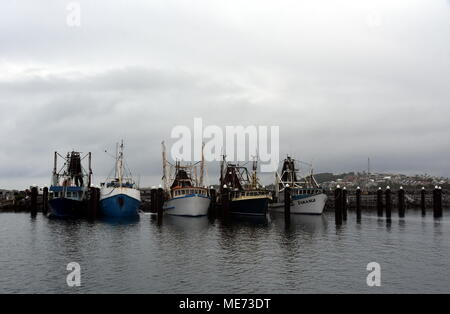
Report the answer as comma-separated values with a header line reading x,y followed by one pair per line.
x,y
388,204
93,203
160,201
287,204
380,202
97,203
45,201
423,193
153,205
358,204
338,205
344,204
401,203
435,214
34,195
226,200
437,202
212,205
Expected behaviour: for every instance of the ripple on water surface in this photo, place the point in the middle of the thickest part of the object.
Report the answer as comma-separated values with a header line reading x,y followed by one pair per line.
x,y
195,255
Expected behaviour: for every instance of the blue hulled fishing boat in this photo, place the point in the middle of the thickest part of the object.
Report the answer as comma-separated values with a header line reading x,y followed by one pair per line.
x,y
247,196
70,186
119,197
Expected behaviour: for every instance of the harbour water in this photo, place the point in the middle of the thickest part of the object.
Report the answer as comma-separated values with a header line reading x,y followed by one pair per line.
x,y
195,255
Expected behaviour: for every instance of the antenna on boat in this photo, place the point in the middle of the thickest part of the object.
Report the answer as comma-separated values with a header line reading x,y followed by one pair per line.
x,y
202,165
222,164
165,178
55,166
90,169
117,153
254,181
120,164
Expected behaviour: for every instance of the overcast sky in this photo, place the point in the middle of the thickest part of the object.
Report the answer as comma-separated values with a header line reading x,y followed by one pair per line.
x,y
344,80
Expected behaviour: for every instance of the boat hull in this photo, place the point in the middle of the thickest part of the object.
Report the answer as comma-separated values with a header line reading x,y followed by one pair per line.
x,y
249,207
119,202
303,204
191,206
67,208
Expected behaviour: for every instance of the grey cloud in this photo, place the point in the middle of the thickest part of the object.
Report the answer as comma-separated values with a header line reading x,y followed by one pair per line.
x,y
340,89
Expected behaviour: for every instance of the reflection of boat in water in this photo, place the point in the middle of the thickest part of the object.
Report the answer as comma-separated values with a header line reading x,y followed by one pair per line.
x,y
247,196
307,196
70,187
126,220
253,220
186,224
307,223
119,197
186,196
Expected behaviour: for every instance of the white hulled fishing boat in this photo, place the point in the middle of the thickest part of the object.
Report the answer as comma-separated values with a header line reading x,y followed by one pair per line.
x,y
307,196
186,195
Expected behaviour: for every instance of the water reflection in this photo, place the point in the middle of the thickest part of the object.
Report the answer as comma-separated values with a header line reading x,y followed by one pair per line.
x,y
248,220
309,224
185,225
120,220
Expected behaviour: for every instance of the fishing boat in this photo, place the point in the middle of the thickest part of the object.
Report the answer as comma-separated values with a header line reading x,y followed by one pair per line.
x,y
185,196
307,197
119,196
69,190
247,195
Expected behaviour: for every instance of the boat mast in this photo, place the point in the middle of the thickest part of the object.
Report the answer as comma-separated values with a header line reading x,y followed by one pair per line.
x,y
202,166
254,182
222,164
116,172
195,174
55,165
90,170
164,158
120,164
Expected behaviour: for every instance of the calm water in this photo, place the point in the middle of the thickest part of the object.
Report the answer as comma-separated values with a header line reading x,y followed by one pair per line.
x,y
193,255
